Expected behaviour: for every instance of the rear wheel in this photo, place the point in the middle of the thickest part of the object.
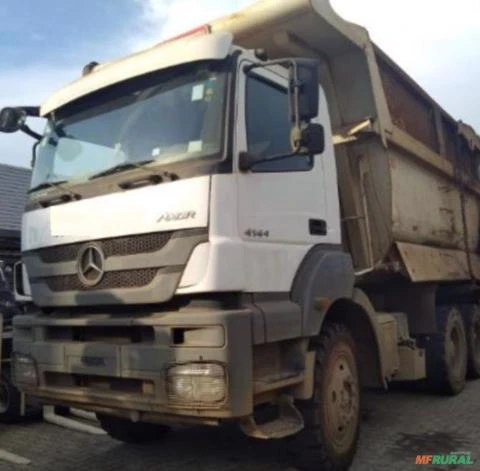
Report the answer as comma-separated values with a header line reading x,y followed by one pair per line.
x,y
132,432
332,418
471,316
446,353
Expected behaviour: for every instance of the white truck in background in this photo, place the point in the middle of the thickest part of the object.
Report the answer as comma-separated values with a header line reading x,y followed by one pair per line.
x,y
12,404
263,211
9,396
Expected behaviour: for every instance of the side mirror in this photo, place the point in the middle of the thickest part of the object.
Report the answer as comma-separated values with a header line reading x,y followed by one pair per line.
x,y
12,119
304,90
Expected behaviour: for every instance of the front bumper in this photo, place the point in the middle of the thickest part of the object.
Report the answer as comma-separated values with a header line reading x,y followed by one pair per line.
x,y
119,364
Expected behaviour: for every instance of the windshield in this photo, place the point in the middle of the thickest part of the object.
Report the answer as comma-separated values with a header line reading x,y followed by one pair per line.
x,y
165,117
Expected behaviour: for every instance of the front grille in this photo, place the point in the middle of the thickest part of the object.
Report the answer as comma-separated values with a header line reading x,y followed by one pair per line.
x,y
129,245
111,280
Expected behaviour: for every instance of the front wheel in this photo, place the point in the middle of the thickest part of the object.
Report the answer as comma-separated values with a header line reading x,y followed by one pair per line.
x,y
132,432
332,416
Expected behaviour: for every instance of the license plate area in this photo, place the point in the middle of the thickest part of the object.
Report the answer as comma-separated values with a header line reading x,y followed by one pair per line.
x,y
93,359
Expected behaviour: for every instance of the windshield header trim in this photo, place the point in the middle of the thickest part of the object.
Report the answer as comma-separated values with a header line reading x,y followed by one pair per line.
x,y
215,46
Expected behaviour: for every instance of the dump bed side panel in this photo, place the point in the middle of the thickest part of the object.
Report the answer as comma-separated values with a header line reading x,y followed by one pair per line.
x,y
413,111
427,206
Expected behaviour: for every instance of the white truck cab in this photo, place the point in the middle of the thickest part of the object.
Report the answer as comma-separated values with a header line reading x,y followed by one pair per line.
x,y
251,217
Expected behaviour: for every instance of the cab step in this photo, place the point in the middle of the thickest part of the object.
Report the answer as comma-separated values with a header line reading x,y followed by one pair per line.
x,y
289,422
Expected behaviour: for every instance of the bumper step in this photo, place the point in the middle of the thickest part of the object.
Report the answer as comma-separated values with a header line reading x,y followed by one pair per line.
x,y
289,422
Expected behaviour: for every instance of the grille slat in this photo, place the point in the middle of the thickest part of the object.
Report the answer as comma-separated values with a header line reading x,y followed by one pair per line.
x,y
111,280
118,246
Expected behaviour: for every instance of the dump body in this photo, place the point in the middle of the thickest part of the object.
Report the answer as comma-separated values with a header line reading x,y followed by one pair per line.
x,y
408,179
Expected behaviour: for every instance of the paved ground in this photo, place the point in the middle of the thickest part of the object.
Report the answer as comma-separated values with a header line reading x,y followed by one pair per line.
x,y
397,426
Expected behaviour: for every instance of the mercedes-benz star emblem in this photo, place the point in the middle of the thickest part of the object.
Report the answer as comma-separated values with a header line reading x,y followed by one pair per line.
x,y
91,261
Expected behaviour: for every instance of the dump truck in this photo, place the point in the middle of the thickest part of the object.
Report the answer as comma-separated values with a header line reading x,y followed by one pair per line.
x,y
264,214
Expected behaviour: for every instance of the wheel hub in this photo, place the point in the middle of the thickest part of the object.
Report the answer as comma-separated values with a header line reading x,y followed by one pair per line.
x,y
454,350
343,403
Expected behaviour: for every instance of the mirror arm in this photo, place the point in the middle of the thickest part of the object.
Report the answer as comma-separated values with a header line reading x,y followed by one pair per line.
x,y
31,111
29,132
247,165
296,90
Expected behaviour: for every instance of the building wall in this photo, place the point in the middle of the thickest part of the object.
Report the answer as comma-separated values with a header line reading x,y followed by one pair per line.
x,y
14,183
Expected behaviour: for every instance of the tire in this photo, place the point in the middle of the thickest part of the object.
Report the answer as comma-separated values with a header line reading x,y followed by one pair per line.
x,y
127,431
446,353
329,440
471,317
10,399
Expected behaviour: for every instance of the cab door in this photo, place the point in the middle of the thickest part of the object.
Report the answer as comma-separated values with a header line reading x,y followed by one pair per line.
x,y
284,208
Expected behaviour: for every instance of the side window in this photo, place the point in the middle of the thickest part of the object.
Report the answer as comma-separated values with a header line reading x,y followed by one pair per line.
x,y
268,127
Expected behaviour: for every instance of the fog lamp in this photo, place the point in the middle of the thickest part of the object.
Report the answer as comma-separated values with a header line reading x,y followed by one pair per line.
x,y
196,383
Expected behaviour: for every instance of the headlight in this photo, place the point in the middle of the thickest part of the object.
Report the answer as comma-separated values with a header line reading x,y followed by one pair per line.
x,y
197,383
24,372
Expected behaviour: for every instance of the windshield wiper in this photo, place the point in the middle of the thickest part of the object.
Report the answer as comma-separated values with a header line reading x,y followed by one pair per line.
x,y
57,184
152,178
121,168
65,197
46,185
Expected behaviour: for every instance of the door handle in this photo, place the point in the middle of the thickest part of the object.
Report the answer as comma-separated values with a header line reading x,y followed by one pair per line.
x,y
318,227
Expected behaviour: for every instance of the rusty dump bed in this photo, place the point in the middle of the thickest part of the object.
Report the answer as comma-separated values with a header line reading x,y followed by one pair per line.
x,y
408,172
